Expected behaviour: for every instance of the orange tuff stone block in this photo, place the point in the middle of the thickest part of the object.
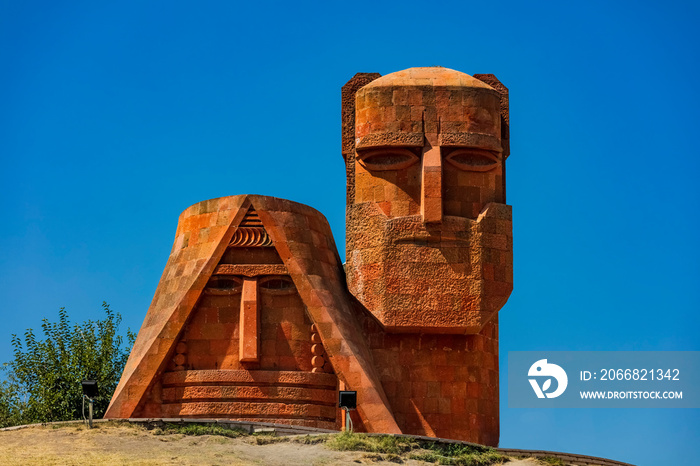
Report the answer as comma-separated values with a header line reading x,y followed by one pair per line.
x,y
250,322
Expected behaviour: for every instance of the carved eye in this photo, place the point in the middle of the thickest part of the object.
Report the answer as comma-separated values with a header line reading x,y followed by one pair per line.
x,y
387,159
277,285
223,284
475,160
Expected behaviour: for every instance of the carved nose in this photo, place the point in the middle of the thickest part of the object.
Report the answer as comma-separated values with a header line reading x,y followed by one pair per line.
x,y
249,328
431,186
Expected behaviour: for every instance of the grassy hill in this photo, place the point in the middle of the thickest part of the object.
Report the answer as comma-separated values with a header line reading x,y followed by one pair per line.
x,y
123,443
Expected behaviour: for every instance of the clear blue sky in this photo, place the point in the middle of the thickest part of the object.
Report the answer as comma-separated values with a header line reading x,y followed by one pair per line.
x,y
116,117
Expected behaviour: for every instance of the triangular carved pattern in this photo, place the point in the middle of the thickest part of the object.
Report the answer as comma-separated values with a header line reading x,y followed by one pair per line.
x,y
251,232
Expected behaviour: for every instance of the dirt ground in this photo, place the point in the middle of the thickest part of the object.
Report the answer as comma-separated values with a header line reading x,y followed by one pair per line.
x,y
109,444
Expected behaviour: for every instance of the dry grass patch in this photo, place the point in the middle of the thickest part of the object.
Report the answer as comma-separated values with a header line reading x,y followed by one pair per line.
x,y
399,449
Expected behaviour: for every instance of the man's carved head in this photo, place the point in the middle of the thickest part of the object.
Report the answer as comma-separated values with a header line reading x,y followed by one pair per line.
x,y
428,185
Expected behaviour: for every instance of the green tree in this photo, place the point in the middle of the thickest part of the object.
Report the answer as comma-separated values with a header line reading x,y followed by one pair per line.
x,y
43,380
11,405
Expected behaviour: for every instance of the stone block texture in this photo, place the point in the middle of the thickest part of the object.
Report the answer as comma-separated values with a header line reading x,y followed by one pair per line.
x,y
255,319
429,242
429,237
251,313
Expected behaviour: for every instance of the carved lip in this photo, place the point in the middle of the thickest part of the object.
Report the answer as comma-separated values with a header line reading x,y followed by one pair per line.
x,y
412,230
437,241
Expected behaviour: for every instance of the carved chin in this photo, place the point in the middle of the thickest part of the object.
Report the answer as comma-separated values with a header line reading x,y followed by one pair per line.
x,y
450,277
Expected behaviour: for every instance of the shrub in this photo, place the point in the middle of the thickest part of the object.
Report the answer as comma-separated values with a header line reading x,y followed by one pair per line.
x,y
43,380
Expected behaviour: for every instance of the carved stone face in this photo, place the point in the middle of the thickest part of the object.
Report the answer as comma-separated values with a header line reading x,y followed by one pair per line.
x,y
250,315
428,192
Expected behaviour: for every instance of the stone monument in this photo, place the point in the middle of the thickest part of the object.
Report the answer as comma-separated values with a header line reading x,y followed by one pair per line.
x,y
253,319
